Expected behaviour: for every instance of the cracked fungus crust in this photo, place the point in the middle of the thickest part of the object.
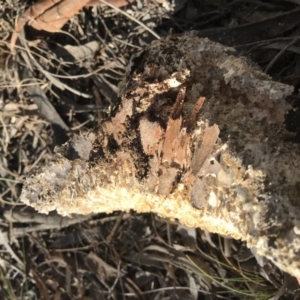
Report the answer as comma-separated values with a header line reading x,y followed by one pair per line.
x,y
198,137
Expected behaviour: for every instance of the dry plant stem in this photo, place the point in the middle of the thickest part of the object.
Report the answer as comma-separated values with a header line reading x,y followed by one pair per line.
x,y
52,15
198,137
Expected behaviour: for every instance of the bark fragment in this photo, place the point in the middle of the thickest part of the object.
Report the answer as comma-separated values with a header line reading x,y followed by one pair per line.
x,y
198,137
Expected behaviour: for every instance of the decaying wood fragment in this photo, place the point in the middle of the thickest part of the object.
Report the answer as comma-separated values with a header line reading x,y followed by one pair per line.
x,y
198,137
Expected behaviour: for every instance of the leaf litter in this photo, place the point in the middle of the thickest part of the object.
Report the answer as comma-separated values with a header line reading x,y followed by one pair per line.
x,y
60,83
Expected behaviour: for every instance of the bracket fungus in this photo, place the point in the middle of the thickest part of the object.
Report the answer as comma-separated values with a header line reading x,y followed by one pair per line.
x,y
199,137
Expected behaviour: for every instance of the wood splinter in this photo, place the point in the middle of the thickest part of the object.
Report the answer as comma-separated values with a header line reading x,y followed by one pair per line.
x,y
199,137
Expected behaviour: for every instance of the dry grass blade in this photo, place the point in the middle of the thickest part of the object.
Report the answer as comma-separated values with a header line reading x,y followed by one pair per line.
x,y
132,18
4,241
21,215
44,105
28,57
281,52
250,33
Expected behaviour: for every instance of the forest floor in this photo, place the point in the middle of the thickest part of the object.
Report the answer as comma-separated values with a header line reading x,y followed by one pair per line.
x,y
58,84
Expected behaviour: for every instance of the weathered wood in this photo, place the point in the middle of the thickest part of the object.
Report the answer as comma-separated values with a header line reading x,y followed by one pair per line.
x,y
198,137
